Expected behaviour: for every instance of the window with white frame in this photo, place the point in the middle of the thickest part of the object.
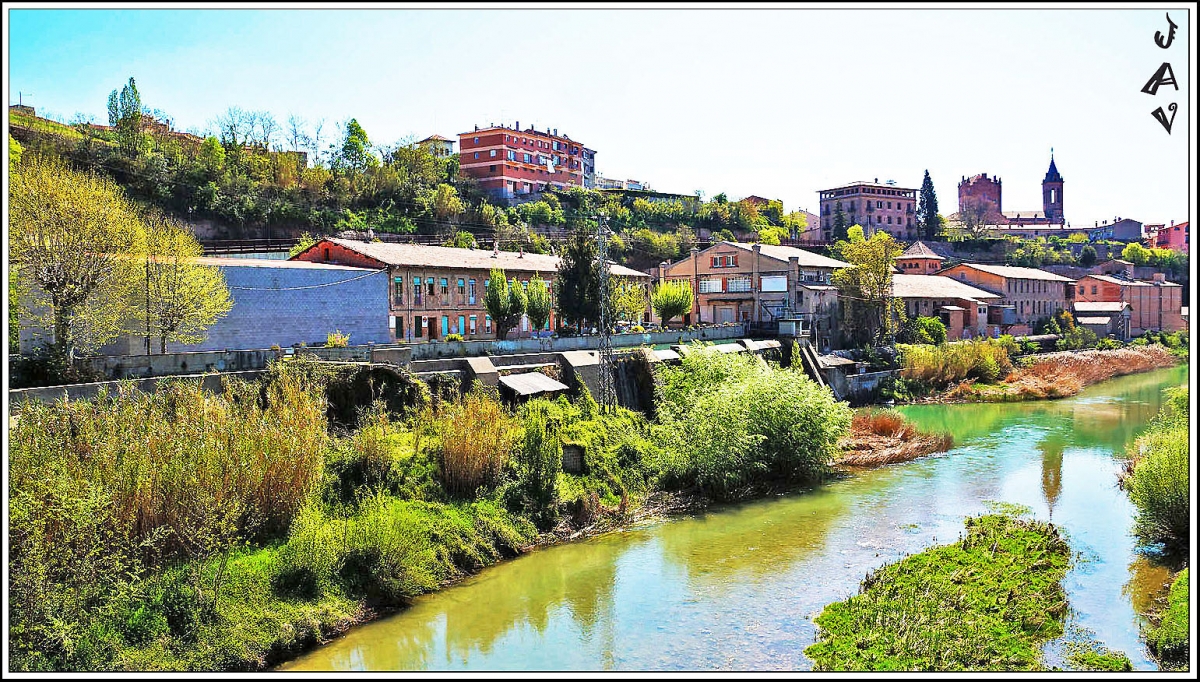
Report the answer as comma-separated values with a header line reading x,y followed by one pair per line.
x,y
740,284
710,286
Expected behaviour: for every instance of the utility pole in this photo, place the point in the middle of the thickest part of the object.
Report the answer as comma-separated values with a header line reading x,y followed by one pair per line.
x,y
608,398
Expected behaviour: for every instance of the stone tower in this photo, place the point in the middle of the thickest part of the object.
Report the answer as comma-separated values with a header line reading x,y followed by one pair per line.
x,y
1052,199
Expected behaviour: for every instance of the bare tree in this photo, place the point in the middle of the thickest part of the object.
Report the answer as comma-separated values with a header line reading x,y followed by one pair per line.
x,y
976,217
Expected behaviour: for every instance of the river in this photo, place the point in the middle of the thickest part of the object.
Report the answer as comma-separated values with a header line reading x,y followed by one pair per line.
x,y
736,588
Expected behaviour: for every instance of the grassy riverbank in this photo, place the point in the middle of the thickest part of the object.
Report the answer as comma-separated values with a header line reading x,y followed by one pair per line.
x,y
982,371
188,531
1168,638
987,602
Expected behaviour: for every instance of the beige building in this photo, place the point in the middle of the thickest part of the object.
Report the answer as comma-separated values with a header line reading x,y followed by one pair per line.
x,y
1156,305
758,283
961,307
919,259
1028,294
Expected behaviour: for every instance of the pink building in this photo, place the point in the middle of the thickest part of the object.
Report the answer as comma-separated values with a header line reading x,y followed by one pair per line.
x,y
1173,236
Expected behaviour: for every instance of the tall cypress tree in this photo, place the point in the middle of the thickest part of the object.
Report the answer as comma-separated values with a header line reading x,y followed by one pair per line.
x,y
840,227
927,209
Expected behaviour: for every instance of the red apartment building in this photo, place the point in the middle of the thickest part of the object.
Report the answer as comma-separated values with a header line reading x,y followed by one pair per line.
x,y
1173,236
510,161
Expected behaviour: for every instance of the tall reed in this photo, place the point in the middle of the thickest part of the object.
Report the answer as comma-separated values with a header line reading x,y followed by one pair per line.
x,y
477,438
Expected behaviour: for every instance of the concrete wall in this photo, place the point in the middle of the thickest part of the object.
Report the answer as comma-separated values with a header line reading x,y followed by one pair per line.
x,y
18,396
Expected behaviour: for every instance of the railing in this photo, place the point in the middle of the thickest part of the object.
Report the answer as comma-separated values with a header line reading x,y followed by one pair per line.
x,y
218,246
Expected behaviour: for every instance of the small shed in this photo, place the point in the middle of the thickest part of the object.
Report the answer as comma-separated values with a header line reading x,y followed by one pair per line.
x,y
521,387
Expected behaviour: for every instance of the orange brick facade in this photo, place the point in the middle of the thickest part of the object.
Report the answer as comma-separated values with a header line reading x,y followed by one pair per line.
x,y
1154,306
428,303
1032,298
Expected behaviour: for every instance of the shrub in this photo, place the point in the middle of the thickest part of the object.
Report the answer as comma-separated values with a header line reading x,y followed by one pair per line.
x,y
940,366
1158,482
477,438
454,337
539,460
729,421
928,330
336,339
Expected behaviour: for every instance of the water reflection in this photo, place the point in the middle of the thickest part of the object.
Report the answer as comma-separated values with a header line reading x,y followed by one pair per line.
x,y
735,589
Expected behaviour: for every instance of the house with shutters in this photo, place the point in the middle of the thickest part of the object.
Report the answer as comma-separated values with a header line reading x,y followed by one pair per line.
x,y
760,283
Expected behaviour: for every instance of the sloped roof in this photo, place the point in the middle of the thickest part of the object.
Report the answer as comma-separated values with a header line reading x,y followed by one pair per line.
x,y
1100,306
935,286
783,253
1015,272
532,383
224,261
437,138
421,255
919,250
1093,320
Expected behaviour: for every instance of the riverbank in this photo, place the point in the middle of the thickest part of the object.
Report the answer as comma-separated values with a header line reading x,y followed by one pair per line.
x,y
1058,375
879,437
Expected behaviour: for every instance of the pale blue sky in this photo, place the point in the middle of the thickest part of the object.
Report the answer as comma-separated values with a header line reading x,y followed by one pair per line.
x,y
779,103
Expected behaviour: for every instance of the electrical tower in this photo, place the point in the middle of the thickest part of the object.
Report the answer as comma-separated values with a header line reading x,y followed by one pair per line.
x,y
608,394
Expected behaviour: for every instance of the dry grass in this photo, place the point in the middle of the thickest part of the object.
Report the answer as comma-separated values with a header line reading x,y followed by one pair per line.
x,y
879,437
477,438
1064,374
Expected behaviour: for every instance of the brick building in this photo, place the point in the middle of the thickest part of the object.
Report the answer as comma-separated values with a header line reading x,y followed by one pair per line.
x,y
737,282
876,207
986,194
434,291
1029,293
919,259
508,161
1155,305
1173,236
961,307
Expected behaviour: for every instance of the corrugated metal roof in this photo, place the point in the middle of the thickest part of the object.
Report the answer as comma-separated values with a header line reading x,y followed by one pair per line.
x,y
420,255
532,383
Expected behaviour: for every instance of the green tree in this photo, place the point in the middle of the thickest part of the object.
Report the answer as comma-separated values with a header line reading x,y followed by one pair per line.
x,y
628,299
577,285
927,210
355,153
671,299
538,302
461,240
869,310
446,204
839,226
125,115
504,301
182,298
1087,256
71,234
771,235
1136,253
14,152
212,157
306,240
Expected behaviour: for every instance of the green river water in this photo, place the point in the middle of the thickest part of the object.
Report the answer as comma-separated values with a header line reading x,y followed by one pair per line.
x,y
736,588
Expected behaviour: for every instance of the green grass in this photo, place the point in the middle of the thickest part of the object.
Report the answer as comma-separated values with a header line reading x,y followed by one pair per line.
x,y
1158,476
987,602
1098,659
1169,639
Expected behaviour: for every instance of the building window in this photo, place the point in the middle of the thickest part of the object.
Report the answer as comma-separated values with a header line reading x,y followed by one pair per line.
x,y
512,156
471,292
398,290
492,168
527,158
445,283
740,284
889,204
462,287
487,324
477,140
429,285
1093,288
889,220
716,261
418,325
472,327
710,286
1081,288
878,204
477,155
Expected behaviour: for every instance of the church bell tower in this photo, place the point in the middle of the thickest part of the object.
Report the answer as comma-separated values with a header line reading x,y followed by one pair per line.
x,y
1052,199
